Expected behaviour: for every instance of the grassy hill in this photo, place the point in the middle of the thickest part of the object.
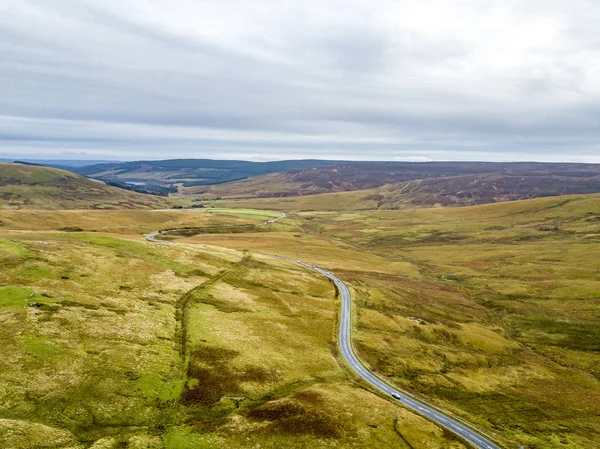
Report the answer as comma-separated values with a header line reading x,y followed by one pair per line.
x,y
34,187
426,184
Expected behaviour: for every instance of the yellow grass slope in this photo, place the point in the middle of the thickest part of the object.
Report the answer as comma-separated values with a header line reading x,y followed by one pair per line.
x,y
386,198
33,187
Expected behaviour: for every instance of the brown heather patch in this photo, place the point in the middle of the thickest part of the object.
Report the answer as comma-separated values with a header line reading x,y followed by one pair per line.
x,y
302,413
211,375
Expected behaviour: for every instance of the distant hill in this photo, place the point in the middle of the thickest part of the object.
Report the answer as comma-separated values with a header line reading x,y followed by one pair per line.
x,y
482,189
343,177
189,172
34,187
420,183
385,186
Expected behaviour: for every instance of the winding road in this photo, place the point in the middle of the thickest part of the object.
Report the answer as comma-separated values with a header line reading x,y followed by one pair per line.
x,y
463,430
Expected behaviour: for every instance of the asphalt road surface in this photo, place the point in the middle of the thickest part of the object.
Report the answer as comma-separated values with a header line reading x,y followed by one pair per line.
x,y
345,341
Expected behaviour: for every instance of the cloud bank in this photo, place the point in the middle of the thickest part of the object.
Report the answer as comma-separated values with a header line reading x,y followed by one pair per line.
x,y
264,80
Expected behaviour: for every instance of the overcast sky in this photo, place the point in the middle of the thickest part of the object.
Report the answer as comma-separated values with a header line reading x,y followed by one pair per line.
x,y
287,79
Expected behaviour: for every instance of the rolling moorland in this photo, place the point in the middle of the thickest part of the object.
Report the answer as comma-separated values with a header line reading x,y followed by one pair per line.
x,y
490,312
188,172
32,187
393,185
190,346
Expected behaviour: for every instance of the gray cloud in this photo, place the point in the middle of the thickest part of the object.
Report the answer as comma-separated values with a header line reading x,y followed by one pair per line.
x,y
377,79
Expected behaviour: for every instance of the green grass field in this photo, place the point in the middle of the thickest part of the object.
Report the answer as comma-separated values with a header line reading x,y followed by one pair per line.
x,y
491,312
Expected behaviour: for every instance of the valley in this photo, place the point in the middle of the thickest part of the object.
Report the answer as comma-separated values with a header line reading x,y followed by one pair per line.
x,y
299,225
488,312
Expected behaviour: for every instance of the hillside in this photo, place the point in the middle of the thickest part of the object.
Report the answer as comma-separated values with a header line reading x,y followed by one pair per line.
x,y
350,176
189,172
386,186
482,189
33,187
455,191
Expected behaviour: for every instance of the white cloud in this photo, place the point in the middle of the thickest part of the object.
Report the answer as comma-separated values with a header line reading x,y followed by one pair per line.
x,y
351,79
412,159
